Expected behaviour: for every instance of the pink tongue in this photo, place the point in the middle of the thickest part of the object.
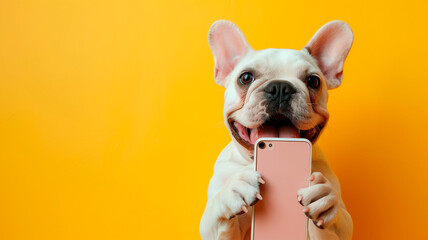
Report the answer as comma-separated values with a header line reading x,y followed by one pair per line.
x,y
268,131
288,132
272,132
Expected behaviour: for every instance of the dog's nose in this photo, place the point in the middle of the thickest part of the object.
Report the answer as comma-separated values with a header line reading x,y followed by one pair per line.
x,y
279,91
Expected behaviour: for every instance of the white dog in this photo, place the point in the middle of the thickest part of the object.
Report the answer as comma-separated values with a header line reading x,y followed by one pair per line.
x,y
274,93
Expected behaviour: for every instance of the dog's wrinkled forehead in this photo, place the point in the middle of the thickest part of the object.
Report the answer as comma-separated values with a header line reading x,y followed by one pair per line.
x,y
276,64
329,47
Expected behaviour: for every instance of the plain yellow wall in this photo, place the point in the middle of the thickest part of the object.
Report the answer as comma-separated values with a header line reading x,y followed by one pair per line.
x,y
110,119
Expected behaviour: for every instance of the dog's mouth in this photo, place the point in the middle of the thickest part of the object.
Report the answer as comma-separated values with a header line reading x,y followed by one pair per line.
x,y
275,127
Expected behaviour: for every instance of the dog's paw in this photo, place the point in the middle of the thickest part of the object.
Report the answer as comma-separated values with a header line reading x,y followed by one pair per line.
x,y
320,201
241,191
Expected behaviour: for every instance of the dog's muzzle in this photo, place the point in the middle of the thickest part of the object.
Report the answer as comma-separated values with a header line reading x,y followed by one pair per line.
x,y
279,95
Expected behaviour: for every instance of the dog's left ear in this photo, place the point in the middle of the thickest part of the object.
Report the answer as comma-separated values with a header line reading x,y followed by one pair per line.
x,y
330,46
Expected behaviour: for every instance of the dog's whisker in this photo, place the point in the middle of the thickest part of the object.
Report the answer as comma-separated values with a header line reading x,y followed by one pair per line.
x,y
312,104
315,125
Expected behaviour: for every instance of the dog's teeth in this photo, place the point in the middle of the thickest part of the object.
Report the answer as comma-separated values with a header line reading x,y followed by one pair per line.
x,y
254,135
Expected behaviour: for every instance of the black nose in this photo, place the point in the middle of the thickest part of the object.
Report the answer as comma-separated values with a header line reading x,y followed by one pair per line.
x,y
279,91
279,94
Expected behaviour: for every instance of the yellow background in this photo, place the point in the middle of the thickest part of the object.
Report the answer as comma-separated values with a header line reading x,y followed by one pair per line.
x,y
110,119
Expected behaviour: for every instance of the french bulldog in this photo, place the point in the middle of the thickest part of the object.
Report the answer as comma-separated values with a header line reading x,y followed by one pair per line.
x,y
275,93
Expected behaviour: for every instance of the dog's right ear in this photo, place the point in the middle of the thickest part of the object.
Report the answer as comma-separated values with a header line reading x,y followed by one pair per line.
x,y
228,46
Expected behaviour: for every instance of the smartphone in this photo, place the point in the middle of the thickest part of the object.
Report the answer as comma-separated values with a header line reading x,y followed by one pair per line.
x,y
284,164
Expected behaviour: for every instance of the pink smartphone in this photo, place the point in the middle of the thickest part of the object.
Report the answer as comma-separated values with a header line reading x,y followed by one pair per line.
x,y
285,164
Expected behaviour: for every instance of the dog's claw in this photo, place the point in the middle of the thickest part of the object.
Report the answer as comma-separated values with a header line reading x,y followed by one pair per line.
x,y
260,180
305,210
319,224
244,209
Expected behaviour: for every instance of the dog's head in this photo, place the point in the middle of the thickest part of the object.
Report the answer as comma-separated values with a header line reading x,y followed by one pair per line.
x,y
277,92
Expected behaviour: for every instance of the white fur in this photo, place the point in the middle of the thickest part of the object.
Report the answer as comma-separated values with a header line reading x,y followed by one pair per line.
x,y
234,184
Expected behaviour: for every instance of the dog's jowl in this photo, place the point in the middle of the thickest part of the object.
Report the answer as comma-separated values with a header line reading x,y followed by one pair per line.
x,y
275,93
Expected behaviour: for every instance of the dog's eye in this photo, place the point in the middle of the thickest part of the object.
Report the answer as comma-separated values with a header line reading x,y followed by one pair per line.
x,y
246,78
313,81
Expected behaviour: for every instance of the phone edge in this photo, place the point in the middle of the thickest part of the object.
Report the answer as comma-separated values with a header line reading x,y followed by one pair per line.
x,y
255,169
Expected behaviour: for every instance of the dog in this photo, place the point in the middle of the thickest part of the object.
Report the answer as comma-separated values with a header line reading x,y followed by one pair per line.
x,y
275,93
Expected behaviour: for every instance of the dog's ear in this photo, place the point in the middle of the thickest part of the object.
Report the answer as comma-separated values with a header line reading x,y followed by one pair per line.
x,y
330,46
228,46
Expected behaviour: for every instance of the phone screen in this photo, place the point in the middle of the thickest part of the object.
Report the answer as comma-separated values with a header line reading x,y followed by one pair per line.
x,y
284,164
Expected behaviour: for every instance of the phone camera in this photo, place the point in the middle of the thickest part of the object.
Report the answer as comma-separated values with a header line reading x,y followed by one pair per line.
x,y
262,145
